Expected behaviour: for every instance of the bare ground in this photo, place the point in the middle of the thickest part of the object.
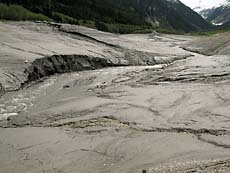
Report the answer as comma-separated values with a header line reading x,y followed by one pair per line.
x,y
171,115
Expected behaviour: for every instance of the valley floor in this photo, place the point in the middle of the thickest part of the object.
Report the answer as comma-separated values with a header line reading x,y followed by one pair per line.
x,y
159,108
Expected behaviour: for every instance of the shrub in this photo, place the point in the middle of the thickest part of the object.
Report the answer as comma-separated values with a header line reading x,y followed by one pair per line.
x,y
101,26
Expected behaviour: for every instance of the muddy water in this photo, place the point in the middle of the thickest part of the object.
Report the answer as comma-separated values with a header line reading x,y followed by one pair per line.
x,y
14,103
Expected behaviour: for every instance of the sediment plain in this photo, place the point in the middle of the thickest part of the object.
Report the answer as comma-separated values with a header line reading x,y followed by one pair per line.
x,y
75,99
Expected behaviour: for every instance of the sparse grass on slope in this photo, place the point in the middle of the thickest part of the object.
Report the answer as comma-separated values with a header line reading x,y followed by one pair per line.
x,y
209,33
17,12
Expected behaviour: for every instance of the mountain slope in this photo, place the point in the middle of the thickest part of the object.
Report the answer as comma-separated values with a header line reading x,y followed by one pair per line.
x,y
217,15
170,14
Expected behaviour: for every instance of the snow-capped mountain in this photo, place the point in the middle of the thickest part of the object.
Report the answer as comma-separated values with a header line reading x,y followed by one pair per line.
x,y
199,5
218,14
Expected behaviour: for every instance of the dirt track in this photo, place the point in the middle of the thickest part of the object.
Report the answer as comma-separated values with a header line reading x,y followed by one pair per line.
x,y
162,110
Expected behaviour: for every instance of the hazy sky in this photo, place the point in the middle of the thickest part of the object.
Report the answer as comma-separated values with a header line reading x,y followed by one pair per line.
x,y
203,3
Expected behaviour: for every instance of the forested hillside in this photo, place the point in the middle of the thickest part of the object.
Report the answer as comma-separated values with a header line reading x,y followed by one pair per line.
x,y
112,14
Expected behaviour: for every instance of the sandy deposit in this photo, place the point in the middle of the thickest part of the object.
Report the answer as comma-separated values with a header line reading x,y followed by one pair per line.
x,y
161,110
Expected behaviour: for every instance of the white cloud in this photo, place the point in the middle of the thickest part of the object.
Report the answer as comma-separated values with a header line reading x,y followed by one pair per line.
x,y
202,3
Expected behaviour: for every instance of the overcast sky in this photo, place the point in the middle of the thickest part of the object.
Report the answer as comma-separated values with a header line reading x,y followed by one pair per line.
x,y
203,3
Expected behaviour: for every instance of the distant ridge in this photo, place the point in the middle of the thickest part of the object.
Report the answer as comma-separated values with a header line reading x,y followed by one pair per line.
x,y
169,14
218,15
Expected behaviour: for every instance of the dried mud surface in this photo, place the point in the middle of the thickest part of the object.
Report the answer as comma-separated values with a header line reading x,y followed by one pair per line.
x,y
99,102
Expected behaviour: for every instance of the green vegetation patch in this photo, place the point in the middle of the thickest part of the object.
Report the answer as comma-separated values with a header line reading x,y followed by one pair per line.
x,y
62,18
17,12
122,28
87,23
169,31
